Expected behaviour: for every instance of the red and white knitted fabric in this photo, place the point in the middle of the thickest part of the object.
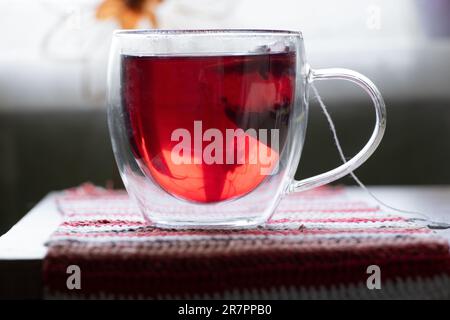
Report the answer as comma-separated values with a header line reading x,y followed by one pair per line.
x,y
317,245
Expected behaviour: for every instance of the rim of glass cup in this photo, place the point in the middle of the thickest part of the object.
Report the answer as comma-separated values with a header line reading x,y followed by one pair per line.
x,y
192,32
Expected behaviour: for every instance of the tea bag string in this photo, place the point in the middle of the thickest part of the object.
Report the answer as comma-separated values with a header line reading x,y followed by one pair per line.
x,y
414,215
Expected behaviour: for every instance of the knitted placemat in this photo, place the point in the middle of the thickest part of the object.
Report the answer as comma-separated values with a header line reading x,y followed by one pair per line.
x,y
319,244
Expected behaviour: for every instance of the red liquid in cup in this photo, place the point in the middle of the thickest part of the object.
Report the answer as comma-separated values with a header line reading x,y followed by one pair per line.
x,y
163,94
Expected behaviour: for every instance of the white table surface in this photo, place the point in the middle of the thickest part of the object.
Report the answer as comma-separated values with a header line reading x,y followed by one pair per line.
x,y
17,250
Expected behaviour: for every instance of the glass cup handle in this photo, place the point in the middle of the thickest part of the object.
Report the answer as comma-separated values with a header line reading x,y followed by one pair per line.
x,y
372,144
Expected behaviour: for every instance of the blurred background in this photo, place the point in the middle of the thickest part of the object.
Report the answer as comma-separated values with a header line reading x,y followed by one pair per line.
x,y
53,56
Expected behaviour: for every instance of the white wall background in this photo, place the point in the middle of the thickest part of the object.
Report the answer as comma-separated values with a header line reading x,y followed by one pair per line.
x,y
53,52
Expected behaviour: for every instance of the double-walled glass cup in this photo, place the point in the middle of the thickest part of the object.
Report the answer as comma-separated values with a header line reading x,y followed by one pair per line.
x,y
208,126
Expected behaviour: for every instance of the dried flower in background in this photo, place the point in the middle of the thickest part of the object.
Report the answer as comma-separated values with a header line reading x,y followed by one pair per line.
x,y
129,12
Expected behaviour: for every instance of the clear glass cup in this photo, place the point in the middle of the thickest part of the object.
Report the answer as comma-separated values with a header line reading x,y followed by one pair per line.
x,y
208,126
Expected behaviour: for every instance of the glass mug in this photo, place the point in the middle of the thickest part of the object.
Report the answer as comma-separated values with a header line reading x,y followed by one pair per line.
x,y
207,126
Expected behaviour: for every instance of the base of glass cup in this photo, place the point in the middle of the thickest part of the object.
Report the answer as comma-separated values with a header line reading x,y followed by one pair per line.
x,y
236,224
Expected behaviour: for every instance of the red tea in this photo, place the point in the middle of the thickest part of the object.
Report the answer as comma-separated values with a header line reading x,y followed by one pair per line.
x,y
208,128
